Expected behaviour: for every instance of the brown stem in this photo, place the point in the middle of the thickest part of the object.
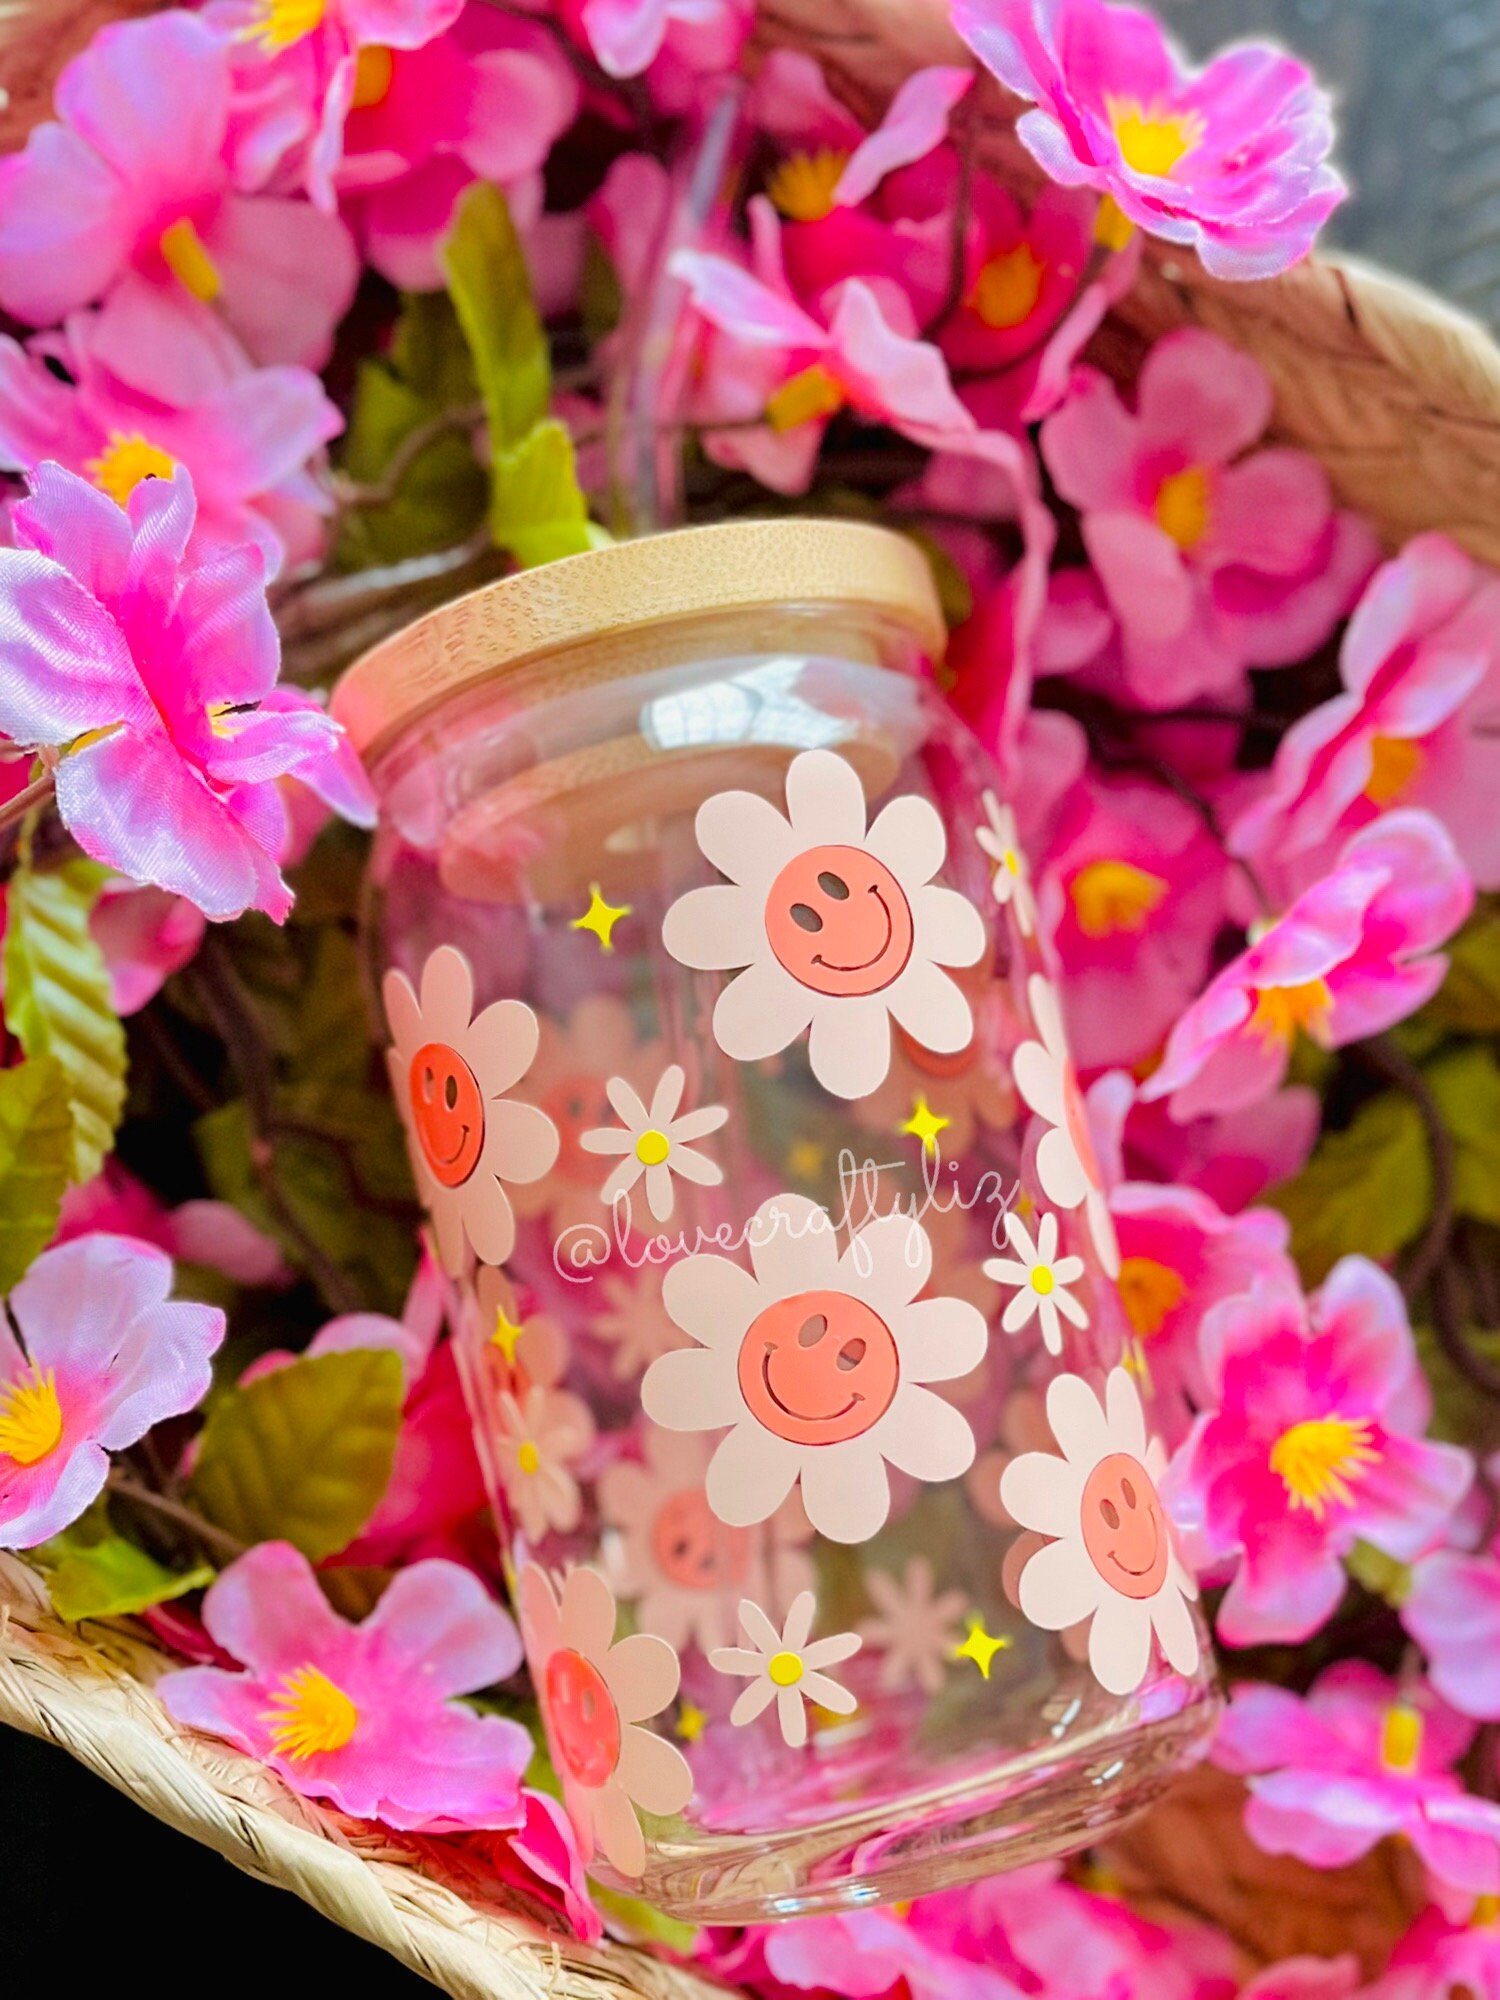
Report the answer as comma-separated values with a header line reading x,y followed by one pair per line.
x,y
235,1022
15,810
1388,1060
380,492
1448,1325
175,1511
314,602
963,203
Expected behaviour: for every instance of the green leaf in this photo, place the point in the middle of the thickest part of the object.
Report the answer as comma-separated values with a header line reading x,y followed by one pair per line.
x,y
36,1150
537,510
1467,1088
490,287
1367,1188
303,1454
1468,1001
112,1578
57,1000
441,497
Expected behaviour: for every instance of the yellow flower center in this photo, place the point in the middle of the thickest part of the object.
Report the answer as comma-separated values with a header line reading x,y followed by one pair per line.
x,y
1316,1460
1113,228
308,1714
1281,1010
785,1669
652,1148
1486,1910
1152,141
31,1420
1042,1280
1148,1292
802,186
125,461
1182,506
528,1458
188,260
373,68
1007,289
1113,896
277,24
804,396
1400,1737
1394,762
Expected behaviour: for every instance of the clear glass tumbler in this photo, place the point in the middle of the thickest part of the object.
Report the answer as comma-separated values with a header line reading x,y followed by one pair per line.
x,y
740,1105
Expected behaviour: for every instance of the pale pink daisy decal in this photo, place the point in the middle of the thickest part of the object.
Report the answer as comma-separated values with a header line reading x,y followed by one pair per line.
x,y
1065,1162
1011,881
684,1568
450,1071
634,1323
1109,1555
1040,1278
816,1365
594,1694
839,931
783,1668
576,1057
915,1629
540,1433
656,1141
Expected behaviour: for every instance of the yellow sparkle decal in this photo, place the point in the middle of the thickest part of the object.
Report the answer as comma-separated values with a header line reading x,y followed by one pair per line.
x,y
979,1646
691,1723
804,1159
601,917
505,1336
925,1124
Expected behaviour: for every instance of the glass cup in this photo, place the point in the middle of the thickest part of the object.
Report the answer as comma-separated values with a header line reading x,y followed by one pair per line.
x,y
739,1100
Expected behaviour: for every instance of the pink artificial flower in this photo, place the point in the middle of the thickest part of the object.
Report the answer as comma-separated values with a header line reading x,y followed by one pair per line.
x,y
210,1233
1313,1441
1230,160
363,1714
1232,1157
146,935
245,434
1353,955
1361,1758
1132,893
1418,724
1176,516
1307,1979
859,1956
151,675
627,36
1440,1960
486,100
541,1855
1452,1610
102,1355
128,199
1181,1255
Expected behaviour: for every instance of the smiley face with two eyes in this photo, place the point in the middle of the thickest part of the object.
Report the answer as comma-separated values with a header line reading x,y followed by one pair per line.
x,y
839,922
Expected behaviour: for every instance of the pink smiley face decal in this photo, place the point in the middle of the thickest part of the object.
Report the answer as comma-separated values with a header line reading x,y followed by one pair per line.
x,y
693,1548
818,1368
839,922
582,1718
1124,1529
575,1105
447,1111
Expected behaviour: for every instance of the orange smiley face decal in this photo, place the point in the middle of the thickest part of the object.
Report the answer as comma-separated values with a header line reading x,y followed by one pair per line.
x,y
1124,1529
693,1548
818,1368
447,1112
839,922
584,1722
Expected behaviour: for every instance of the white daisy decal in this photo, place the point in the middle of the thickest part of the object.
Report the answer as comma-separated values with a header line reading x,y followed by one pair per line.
x,y
1065,1162
1041,1278
1011,881
655,1141
450,1070
914,1627
839,931
1109,1557
816,1366
784,1668
539,1435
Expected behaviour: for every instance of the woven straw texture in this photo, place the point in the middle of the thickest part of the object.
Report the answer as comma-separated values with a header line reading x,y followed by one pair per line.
x,y
1397,395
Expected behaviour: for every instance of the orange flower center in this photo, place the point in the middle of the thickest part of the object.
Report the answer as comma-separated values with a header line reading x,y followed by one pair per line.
x,y
1394,762
309,1715
1182,506
1281,1010
1149,1291
1007,289
373,68
1113,896
802,187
